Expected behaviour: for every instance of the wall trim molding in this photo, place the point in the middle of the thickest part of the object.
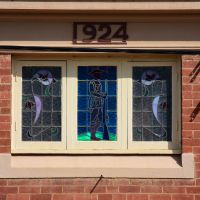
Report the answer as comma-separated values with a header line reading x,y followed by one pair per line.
x,y
48,49
132,166
72,7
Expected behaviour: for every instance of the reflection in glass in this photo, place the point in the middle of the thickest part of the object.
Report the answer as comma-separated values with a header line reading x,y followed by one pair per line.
x,y
152,103
41,104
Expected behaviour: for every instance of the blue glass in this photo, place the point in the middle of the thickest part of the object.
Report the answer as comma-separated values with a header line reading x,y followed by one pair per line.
x,y
112,103
97,103
112,131
112,73
152,103
83,103
112,119
82,118
112,90
82,130
100,129
82,87
83,73
104,86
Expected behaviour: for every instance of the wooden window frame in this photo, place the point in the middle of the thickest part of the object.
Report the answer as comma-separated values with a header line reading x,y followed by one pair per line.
x,y
68,144
158,146
35,146
73,143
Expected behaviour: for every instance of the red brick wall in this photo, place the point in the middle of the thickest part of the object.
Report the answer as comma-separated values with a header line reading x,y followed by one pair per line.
x,y
5,102
107,189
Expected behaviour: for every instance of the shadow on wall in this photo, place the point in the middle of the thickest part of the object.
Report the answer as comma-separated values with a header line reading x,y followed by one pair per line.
x,y
62,31
193,76
195,112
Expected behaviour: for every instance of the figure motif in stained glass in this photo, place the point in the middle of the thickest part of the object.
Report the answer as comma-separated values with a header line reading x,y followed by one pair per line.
x,y
96,105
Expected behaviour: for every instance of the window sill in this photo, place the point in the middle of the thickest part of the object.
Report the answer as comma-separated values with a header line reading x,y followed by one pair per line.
x,y
41,151
135,166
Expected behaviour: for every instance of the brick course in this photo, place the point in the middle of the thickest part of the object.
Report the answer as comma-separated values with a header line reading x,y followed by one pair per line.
x,y
5,103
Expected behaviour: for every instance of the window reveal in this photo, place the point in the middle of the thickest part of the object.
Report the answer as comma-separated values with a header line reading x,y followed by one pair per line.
x,y
41,104
97,103
152,103
100,106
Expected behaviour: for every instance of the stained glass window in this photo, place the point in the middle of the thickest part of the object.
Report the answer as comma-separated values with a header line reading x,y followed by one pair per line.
x,y
152,103
97,103
41,104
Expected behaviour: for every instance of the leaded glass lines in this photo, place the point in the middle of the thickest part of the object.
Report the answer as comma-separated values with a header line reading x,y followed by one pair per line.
x,y
97,103
41,103
152,103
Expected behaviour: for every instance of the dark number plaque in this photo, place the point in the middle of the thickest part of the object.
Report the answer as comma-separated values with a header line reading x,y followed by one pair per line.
x,y
100,33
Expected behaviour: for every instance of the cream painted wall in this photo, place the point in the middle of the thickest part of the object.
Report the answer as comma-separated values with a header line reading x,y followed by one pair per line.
x,y
150,34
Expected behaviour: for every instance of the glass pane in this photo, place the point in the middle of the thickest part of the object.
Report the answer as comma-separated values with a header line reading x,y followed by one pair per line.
x,y
41,104
152,103
97,103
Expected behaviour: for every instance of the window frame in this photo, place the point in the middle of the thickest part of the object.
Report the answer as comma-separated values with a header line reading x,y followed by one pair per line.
x,y
158,146
64,147
34,146
72,142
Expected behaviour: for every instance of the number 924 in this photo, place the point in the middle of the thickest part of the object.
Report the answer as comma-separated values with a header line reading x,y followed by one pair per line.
x,y
104,32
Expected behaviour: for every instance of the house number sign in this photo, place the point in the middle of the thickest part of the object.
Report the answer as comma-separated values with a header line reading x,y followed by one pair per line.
x,y
100,33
